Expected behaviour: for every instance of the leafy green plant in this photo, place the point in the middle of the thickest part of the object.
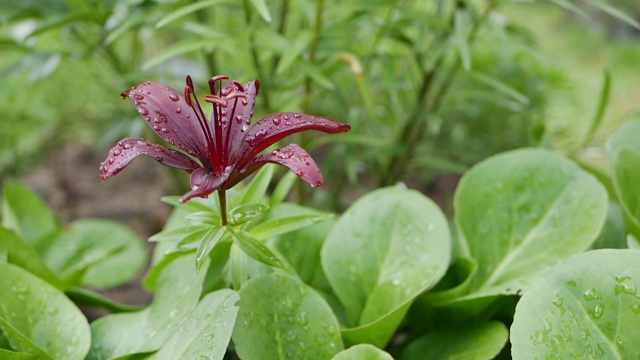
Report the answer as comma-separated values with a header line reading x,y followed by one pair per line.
x,y
281,280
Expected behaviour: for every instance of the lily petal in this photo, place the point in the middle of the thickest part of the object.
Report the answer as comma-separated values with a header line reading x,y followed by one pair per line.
x,y
238,116
128,149
272,128
293,157
168,114
204,182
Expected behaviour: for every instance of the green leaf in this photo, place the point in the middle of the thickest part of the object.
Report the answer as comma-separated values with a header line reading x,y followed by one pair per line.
x,y
316,74
372,256
585,307
502,88
626,180
97,253
296,47
521,211
283,188
39,319
27,214
301,248
207,243
206,334
282,318
469,342
605,7
204,218
186,10
625,136
182,47
362,352
256,191
245,213
256,249
10,355
18,252
177,291
262,8
461,35
285,218
602,106
177,234
88,297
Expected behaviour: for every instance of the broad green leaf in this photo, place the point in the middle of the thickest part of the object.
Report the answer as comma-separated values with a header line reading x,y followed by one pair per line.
x,y
256,249
626,136
585,307
177,291
186,10
18,252
301,248
131,21
39,319
11,355
27,214
207,331
362,352
385,250
626,180
282,318
632,242
469,342
614,234
521,211
98,253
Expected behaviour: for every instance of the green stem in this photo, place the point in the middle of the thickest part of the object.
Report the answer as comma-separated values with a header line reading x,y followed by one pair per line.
x,y
222,197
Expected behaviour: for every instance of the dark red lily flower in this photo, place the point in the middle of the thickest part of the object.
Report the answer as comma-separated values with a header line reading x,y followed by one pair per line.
x,y
221,152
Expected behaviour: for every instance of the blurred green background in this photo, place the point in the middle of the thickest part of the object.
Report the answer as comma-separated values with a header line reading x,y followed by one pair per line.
x,y
429,87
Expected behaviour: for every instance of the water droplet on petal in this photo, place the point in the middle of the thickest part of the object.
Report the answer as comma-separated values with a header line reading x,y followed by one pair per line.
x,y
297,116
300,173
174,97
117,152
239,119
111,161
138,97
276,121
156,127
178,110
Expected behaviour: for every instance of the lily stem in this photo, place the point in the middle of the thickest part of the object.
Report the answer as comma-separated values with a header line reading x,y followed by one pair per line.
x,y
222,197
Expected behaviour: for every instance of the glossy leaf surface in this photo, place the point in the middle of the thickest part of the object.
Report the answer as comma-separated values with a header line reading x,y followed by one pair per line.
x,y
39,319
282,318
521,211
386,249
585,307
